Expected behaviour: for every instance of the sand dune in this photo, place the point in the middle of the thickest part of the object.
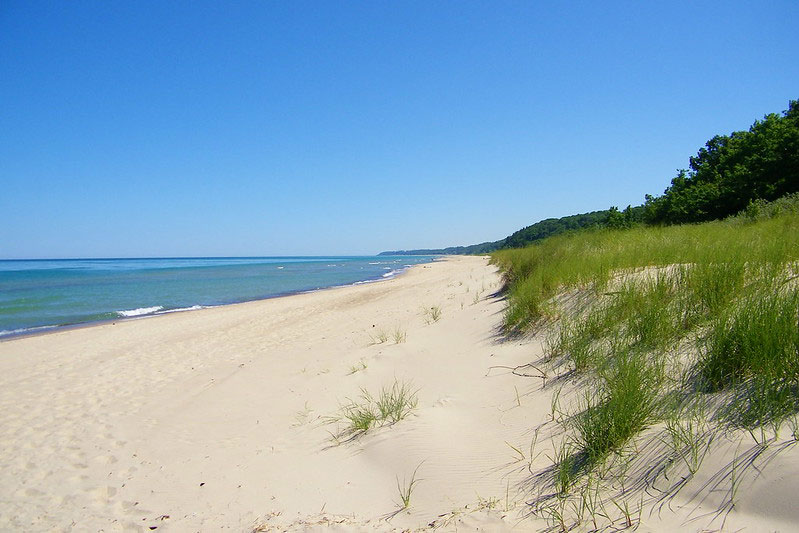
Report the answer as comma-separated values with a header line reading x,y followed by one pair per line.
x,y
221,419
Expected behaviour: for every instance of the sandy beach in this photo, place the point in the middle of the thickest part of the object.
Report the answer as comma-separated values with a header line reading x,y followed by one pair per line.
x,y
224,419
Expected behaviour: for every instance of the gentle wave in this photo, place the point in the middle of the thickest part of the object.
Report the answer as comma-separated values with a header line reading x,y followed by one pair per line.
x,y
181,309
364,282
8,332
140,311
390,274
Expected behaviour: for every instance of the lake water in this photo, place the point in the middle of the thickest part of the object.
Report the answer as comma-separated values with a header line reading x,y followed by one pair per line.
x,y
43,294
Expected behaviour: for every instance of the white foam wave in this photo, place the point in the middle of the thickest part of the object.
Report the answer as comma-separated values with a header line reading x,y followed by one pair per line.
x,y
389,274
364,282
6,332
180,309
140,311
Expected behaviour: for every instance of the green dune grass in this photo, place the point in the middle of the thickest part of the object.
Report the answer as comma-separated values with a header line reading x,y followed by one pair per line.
x,y
664,313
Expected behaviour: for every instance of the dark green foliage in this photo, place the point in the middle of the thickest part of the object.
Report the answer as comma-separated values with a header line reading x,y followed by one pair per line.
x,y
474,249
612,218
530,234
762,210
628,218
553,226
733,170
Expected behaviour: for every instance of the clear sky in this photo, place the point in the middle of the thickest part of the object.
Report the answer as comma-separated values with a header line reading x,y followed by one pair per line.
x,y
276,128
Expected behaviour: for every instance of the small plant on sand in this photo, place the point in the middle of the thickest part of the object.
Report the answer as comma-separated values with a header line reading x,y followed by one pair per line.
x,y
360,416
793,426
405,488
357,367
565,469
688,436
392,405
381,337
396,402
301,417
431,314
399,335
627,514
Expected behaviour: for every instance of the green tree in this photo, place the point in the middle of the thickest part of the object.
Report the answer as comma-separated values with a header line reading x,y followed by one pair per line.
x,y
731,171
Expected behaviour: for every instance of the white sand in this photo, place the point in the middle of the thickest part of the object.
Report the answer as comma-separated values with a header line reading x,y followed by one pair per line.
x,y
216,420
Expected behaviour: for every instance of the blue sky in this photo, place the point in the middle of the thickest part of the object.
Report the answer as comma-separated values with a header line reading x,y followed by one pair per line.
x,y
278,128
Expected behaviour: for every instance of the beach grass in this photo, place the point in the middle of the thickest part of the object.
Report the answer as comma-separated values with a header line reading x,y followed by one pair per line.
x,y
395,402
689,435
622,408
381,337
400,335
756,348
392,404
360,415
431,314
357,367
588,259
666,312
405,489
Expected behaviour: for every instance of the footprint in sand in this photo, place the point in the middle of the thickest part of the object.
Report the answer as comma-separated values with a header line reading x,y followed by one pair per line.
x,y
101,495
77,479
58,501
31,493
444,401
128,471
105,460
76,457
129,508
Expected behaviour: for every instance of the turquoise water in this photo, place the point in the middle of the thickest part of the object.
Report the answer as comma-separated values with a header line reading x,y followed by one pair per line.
x,y
41,294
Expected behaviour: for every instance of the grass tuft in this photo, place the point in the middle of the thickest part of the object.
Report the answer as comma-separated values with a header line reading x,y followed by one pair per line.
x,y
360,365
400,335
381,337
431,314
396,402
361,416
625,405
392,404
405,488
